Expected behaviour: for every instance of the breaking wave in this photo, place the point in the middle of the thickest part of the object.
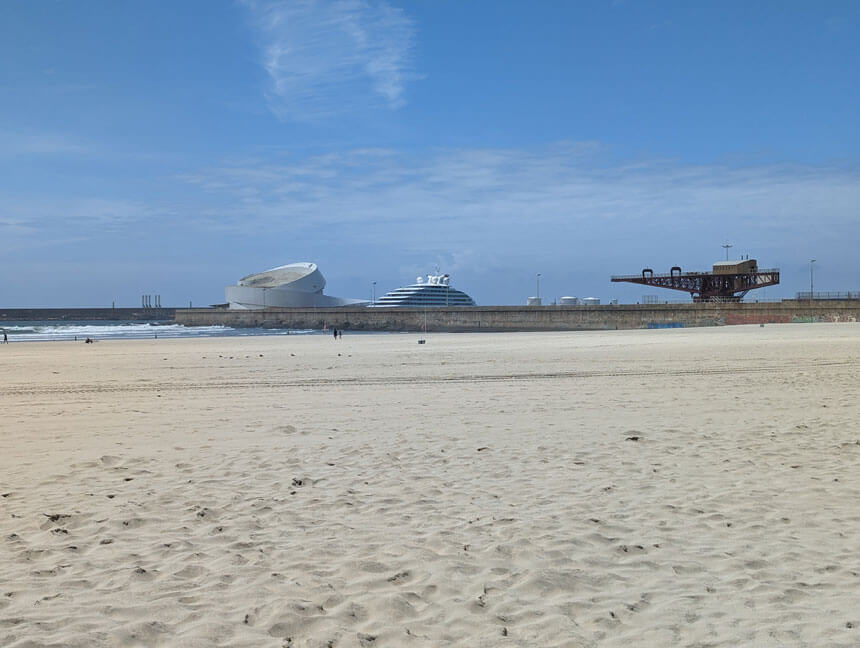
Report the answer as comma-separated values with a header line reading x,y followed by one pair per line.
x,y
65,331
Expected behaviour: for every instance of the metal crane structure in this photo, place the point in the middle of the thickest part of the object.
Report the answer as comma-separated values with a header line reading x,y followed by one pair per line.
x,y
729,281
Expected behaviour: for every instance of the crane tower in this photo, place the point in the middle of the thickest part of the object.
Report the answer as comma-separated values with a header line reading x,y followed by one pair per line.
x,y
728,282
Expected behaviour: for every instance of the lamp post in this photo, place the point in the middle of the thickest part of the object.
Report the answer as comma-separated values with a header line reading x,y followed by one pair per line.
x,y
538,286
373,294
811,285
727,246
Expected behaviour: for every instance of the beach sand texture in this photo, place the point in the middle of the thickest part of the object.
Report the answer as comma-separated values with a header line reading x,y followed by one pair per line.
x,y
691,487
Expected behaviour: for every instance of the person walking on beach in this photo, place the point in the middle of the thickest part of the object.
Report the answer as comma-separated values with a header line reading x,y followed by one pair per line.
x,y
334,332
5,338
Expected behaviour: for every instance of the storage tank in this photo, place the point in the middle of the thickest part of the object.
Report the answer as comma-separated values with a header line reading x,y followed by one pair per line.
x,y
569,301
591,301
533,301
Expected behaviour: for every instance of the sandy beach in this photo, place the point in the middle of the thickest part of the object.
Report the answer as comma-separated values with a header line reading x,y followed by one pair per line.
x,y
689,487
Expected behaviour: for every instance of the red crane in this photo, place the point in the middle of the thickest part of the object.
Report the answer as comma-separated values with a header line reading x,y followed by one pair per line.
x,y
728,282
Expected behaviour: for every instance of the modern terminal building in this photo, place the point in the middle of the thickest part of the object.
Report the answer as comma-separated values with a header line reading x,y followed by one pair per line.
x,y
296,284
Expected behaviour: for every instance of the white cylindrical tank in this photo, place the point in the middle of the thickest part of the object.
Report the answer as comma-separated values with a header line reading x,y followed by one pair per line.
x,y
533,301
591,301
569,301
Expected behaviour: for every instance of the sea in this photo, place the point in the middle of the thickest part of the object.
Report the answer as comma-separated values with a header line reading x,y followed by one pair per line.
x,y
65,331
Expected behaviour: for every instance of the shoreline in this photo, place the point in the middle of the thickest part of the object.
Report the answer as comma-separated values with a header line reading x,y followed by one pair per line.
x,y
474,319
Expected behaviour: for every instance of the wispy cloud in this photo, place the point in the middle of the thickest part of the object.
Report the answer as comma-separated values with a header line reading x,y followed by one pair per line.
x,y
79,215
566,209
487,214
559,185
16,144
324,57
31,225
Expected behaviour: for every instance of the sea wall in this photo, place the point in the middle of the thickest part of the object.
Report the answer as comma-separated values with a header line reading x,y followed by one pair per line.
x,y
86,314
480,318
527,318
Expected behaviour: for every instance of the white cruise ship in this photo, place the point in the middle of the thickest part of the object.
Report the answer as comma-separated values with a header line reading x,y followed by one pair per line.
x,y
436,292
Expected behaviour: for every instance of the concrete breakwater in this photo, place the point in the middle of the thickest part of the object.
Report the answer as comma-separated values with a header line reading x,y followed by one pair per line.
x,y
527,318
479,318
86,314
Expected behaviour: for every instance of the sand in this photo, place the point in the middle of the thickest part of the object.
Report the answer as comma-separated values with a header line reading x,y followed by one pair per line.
x,y
695,487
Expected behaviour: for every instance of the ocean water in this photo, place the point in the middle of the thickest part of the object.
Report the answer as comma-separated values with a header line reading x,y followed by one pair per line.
x,y
48,331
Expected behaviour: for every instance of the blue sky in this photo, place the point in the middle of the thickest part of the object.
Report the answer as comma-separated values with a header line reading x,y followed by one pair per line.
x,y
171,148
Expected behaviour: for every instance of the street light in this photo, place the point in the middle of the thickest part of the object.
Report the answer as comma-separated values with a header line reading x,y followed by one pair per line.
x,y
538,285
811,293
727,246
373,294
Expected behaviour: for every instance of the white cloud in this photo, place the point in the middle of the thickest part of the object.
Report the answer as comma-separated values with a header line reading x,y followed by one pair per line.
x,y
559,187
490,215
573,214
16,144
325,57
76,215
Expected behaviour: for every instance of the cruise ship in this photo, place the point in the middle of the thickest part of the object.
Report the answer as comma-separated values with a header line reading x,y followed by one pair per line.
x,y
435,291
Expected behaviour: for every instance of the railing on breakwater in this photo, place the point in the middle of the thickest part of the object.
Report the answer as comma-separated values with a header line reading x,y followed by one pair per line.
x,y
827,296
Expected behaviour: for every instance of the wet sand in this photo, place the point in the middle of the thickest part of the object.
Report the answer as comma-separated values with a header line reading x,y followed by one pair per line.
x,y
694,487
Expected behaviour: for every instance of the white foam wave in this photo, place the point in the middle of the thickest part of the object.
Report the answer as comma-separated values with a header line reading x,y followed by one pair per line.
x,y
55,331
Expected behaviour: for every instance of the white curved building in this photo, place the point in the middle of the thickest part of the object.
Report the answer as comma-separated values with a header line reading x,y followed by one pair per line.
x,y
296,284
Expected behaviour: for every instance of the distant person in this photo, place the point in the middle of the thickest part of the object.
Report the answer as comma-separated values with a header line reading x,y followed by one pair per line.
x,y
340,334
5,338
334,332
